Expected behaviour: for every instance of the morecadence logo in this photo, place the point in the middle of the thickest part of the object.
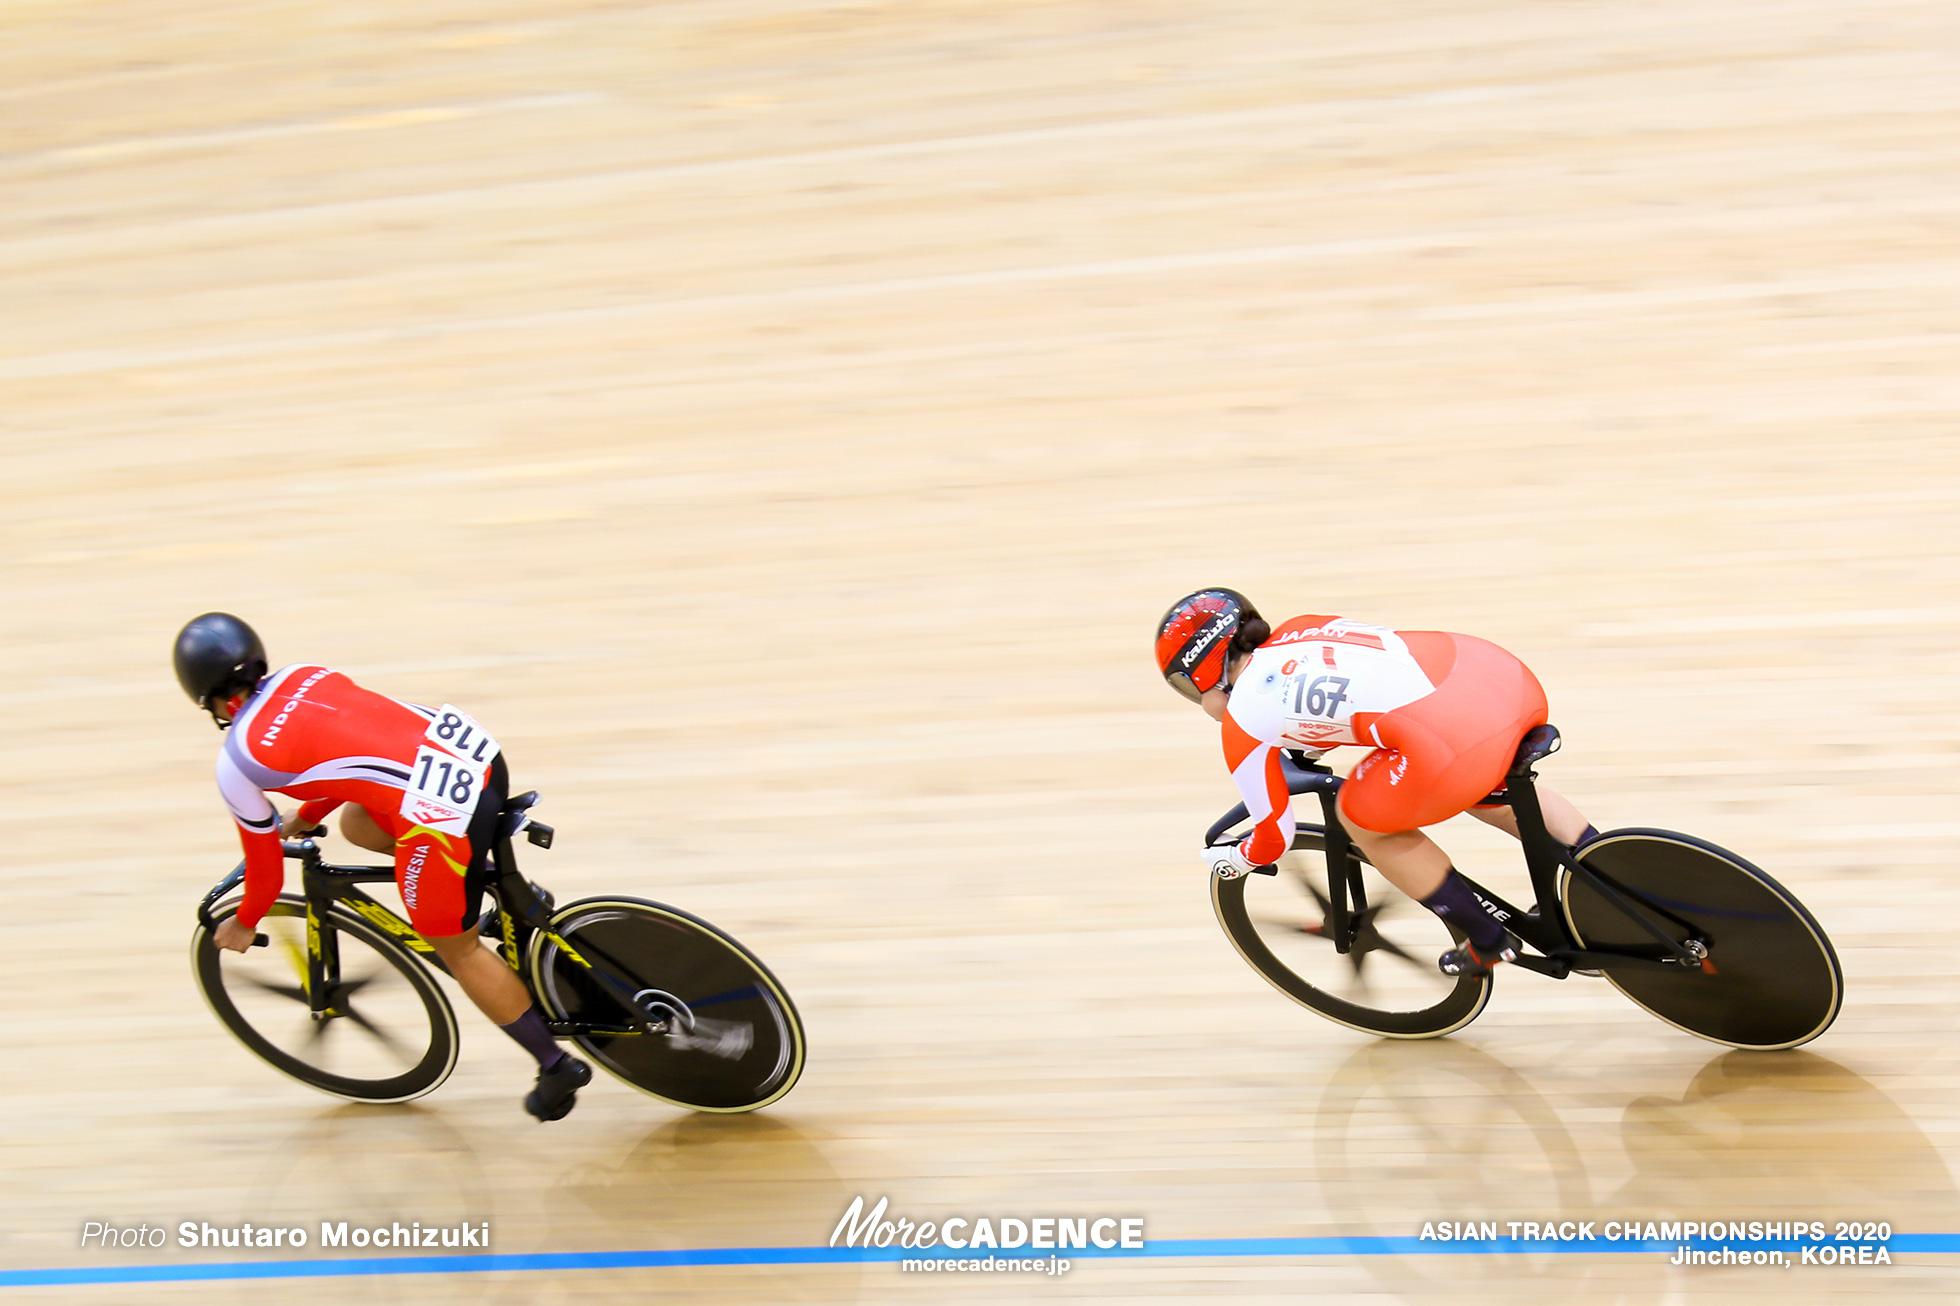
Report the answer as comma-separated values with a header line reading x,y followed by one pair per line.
x,y
993,1234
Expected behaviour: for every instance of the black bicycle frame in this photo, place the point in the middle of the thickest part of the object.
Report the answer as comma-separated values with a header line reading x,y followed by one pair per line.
x,y
322,886
1544,927
521,911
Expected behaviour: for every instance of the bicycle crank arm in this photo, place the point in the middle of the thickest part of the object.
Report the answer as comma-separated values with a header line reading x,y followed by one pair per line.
x,y
1580,959
1557,967
1565,961
621,992
580,1028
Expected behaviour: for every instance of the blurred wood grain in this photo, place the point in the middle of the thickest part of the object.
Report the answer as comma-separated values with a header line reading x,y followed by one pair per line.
x,y
782,423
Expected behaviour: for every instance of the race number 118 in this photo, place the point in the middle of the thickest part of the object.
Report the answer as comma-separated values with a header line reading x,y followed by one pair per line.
x,y
458,732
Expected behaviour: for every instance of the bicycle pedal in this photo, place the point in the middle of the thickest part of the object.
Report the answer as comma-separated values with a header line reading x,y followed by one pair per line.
x,y
1465,959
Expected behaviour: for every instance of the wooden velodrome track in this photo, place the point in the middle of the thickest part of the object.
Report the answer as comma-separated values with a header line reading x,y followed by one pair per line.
x,y
783,422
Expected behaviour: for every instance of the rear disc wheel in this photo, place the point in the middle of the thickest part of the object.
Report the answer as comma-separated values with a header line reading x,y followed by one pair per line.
x,y
1771,979
735,1042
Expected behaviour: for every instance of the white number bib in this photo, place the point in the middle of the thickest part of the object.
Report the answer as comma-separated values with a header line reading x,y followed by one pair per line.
x,y
446,779
456,731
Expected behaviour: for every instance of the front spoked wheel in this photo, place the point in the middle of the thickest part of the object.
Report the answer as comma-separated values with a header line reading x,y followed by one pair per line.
x,y
1771,978
735,1042
388,1034
1387,983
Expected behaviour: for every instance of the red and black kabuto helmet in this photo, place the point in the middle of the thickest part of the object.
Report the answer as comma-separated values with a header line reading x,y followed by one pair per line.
x,y
1195,637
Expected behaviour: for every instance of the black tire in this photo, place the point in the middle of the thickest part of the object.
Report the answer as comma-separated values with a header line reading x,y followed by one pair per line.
x,y
394,1037
745,1055
1392,988
1775,981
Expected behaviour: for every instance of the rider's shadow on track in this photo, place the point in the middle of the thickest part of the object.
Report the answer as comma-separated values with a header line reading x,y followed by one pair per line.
x,y
706,1181
695,1181
1408,1132
374,1165
1789,1135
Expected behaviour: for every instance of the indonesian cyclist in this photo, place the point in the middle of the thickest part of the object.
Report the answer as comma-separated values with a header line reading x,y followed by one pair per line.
x,y
426,785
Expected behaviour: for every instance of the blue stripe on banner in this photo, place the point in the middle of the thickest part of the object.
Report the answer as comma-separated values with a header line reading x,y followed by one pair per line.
x,y
1171,1247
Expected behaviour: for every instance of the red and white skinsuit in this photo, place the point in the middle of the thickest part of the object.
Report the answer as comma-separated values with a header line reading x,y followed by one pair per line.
x,y
1443,713
311,733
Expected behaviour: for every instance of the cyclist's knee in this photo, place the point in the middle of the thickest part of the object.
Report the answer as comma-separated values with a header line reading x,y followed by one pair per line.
x,y
360,828
453,947
1502,818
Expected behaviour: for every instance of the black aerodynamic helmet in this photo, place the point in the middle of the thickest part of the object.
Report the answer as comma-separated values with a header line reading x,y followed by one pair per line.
x,y
218,655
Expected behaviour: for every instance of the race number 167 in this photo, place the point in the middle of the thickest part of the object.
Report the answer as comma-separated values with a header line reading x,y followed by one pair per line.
x,y
1322,696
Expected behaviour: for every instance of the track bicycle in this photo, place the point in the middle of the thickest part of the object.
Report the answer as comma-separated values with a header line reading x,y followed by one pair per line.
x,y
1691,932
337,992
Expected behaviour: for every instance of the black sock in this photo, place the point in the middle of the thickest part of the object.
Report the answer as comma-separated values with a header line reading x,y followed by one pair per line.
x,y
530,1032
1454,900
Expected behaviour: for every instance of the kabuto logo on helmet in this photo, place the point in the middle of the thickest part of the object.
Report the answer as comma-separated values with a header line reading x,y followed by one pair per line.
x,y
1189,636
1201,645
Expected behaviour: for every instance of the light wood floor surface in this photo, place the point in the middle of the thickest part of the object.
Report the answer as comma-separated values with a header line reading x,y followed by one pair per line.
x,y
783,423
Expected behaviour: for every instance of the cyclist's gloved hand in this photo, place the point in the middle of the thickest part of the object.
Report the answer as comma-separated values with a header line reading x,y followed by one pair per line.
x,y
1226,861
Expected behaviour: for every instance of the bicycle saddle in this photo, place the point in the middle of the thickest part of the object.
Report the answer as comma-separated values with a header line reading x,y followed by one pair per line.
x,y
512,818
1540,743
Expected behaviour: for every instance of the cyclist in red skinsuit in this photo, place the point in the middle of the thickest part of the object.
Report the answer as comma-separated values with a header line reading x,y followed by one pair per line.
x,y
312,733
426,785
1443,714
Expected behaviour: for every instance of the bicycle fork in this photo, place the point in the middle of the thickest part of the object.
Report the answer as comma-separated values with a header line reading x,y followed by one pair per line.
x,y
1344,885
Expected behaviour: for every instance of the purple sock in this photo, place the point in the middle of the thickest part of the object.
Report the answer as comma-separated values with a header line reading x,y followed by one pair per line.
x,y
530,1032
1592,833
1454,900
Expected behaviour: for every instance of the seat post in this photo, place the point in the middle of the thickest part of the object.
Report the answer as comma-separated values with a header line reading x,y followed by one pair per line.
x,y
1543,855
516,894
